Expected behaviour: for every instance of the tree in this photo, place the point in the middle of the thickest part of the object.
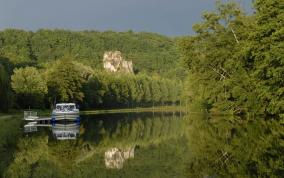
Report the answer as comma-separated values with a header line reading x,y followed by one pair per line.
x,y
146,89
64,81
155,91
164,90
6,94
15,45
267,54
30,86
219,73
28,81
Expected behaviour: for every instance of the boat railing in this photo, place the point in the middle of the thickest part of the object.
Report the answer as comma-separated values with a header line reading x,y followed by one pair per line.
x,y
30,115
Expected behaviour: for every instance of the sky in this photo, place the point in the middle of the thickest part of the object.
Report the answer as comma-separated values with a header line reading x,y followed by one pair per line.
x,y
168,17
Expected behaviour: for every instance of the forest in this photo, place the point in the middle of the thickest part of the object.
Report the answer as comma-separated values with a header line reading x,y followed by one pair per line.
x,y
41,68
232,64
235,60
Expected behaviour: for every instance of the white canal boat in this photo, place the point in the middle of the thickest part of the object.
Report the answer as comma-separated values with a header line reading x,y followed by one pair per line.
x,y
65,111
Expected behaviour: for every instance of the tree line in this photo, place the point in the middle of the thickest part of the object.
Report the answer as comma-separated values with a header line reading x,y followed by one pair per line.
x,y
235,60
108,90
38,69
67,80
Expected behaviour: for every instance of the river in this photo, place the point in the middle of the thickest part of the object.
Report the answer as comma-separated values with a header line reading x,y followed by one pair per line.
x,y
161,144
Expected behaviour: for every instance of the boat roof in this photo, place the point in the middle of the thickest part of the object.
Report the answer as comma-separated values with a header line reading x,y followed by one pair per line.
x,y
64,104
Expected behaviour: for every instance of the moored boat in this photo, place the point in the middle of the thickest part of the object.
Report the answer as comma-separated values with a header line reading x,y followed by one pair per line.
x,y
65,111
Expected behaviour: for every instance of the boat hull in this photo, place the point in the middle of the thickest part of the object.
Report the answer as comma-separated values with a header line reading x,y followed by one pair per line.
x,y
65,115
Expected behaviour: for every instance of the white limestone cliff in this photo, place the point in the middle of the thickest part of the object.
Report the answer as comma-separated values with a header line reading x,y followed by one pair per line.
x,y
114,62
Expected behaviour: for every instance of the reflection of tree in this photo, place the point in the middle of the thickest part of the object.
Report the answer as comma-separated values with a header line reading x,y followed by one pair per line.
x,y
231,149
134,129
41,155
31,151
9,134
193,146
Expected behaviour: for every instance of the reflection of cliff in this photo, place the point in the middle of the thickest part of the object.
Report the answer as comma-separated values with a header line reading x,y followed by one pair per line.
x,y
114,157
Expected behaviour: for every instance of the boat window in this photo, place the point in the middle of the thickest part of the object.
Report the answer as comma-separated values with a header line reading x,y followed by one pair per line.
x,y
65,108
72,107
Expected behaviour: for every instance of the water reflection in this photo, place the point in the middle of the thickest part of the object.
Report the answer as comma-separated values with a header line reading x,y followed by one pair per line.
x,y
63,129
30,127
169,145
115,157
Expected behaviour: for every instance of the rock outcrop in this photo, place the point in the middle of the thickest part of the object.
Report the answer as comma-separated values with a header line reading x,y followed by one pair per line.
x,y
114,157
114,62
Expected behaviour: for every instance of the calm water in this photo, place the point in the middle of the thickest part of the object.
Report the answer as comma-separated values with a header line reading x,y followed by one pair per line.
x,y
143,145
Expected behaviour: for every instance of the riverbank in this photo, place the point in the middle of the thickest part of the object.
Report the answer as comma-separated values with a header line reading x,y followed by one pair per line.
x,y
138,109
104,111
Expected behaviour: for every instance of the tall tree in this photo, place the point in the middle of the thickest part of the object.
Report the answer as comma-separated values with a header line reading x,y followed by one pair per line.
x,y
219,74
267,54
5,93
28,83
65,81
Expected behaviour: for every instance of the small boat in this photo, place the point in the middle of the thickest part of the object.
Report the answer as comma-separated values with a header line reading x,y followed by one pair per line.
x,y
65,111
65,108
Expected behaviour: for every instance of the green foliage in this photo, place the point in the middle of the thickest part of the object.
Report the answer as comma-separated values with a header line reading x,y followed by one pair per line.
x,y
65,80
6,97
124,90
123,130
165,145
9,135
235,61
26,159
235,149
267,54
46,169
28,81
16,45
156,138
150,52
69,64
29,86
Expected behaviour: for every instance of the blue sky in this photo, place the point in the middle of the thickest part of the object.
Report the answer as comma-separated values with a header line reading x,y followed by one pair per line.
x,y
168,17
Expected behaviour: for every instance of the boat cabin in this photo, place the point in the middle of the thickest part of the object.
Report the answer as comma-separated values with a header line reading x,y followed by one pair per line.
x,y
65,107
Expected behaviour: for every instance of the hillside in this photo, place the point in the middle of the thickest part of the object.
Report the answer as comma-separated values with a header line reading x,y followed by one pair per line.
x,y
150,52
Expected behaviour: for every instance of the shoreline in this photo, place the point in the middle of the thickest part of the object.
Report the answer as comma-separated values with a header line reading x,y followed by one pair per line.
x,y
102,111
